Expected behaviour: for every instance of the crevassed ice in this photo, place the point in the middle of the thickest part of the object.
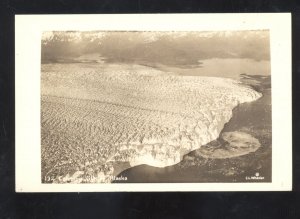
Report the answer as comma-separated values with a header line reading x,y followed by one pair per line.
x,y
142,115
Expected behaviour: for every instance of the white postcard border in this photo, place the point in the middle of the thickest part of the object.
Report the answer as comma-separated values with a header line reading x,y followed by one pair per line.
x,y
28,30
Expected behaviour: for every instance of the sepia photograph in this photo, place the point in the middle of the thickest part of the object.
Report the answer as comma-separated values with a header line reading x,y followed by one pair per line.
x,y
122,106
156,106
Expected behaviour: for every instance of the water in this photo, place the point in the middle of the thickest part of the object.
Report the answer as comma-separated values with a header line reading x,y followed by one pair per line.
x,y
253,118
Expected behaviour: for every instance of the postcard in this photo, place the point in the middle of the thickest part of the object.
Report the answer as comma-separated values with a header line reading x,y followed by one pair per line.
x,y
153,102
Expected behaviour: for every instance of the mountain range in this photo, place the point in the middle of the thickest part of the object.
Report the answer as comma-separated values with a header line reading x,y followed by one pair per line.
x,y
174,48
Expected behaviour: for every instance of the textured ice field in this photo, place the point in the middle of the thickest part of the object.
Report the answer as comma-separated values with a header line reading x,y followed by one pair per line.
x,y
94,115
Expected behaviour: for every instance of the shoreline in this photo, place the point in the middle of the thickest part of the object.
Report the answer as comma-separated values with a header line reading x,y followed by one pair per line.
x,y
187,159
234,169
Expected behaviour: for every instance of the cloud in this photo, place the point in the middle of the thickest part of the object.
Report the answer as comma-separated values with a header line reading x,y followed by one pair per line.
x,y
169,48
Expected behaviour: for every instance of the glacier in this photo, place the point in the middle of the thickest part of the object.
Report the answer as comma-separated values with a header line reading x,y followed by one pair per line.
x,y
131,113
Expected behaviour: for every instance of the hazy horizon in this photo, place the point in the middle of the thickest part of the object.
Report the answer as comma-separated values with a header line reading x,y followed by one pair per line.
x,y
176,49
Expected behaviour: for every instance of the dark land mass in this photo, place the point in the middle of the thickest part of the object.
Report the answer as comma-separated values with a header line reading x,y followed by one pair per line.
x,y
254,118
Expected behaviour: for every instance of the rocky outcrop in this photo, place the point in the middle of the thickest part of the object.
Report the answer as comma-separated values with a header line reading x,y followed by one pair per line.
x,y
236,144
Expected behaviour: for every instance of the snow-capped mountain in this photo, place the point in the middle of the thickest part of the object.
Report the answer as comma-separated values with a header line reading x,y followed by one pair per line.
x,y
170,48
